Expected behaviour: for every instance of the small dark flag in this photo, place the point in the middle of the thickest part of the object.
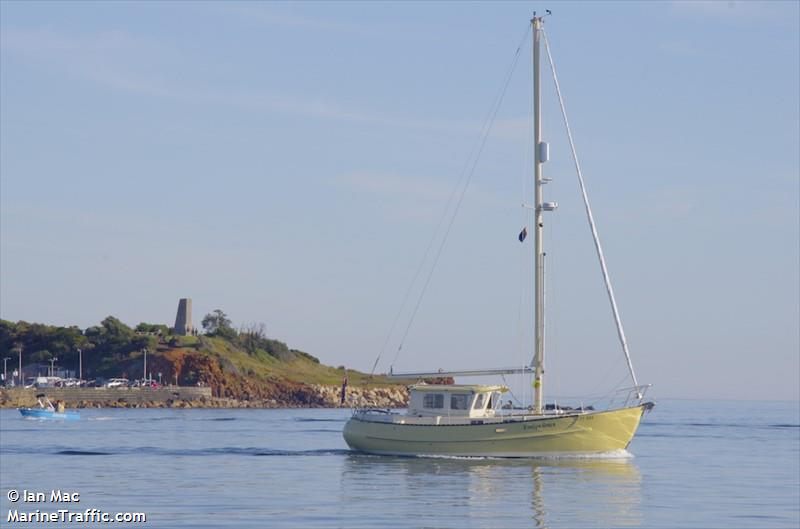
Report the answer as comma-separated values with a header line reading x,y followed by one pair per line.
x,y
344,388
523,234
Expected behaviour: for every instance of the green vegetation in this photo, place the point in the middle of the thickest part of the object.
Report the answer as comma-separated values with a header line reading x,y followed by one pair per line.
x,y
104,346
218,324
222,358
153,328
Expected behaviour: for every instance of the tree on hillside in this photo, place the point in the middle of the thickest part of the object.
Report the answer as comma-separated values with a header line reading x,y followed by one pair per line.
x,y
105,349
253,338
114,344
152,328
218,324
41,342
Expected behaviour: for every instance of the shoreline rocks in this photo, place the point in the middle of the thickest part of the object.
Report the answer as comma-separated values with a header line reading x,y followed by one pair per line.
x,y
294,396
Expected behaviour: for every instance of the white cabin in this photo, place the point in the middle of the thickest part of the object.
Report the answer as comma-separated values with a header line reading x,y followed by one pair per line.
x,y
473,401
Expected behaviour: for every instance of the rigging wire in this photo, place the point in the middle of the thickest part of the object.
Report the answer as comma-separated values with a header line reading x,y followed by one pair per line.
x,y
470,174
465,176
525,276
554,340
594,397
413,282
602,380
609,393
551,302
595,236
514,397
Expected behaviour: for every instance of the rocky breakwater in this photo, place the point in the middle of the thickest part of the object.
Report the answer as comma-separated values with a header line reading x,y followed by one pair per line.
x,y
357,397
316,396
271,395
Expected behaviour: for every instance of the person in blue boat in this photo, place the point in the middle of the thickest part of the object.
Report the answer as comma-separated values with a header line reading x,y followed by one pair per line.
x,y
48,410
44,402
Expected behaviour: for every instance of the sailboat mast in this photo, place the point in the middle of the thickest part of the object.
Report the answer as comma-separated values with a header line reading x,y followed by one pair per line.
x,y
538,148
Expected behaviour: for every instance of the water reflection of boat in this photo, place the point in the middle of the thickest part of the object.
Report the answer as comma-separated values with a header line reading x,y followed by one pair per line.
x,y
549,491
47,410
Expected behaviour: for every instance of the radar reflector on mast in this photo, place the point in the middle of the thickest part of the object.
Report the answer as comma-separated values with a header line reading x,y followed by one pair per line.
x,y
544,151
549,206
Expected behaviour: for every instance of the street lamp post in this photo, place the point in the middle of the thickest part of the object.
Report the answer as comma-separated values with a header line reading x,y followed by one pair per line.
x,y
52,365
80,363
20,376
145,362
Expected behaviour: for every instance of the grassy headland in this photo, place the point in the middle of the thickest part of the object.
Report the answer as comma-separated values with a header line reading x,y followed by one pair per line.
x,y
240,365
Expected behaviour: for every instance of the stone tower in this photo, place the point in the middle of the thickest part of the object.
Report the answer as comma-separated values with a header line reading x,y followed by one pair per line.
x,y
183,320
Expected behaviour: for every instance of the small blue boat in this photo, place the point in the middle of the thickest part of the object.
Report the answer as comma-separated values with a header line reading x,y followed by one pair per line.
x,y
37,413
46,410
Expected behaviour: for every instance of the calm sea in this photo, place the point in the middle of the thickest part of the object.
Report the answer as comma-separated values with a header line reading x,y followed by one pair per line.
x,y
719,464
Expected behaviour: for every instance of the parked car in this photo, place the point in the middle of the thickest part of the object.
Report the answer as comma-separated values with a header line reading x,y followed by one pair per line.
x,y
144,384
43,382
117,383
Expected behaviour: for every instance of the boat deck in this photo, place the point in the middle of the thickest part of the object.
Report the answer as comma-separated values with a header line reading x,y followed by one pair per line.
x,y
383,416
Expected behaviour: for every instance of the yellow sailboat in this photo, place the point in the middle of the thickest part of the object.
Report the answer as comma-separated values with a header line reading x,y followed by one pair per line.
x,y
468,420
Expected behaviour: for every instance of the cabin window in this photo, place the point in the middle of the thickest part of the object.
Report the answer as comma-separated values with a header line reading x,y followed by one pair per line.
x,y
459,401
478,402
433,401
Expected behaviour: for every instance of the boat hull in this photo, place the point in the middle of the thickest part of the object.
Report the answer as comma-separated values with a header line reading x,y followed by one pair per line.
x,y
585,433
34,413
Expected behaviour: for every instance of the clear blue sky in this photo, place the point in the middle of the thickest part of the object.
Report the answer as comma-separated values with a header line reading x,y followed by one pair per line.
x,y
288,162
